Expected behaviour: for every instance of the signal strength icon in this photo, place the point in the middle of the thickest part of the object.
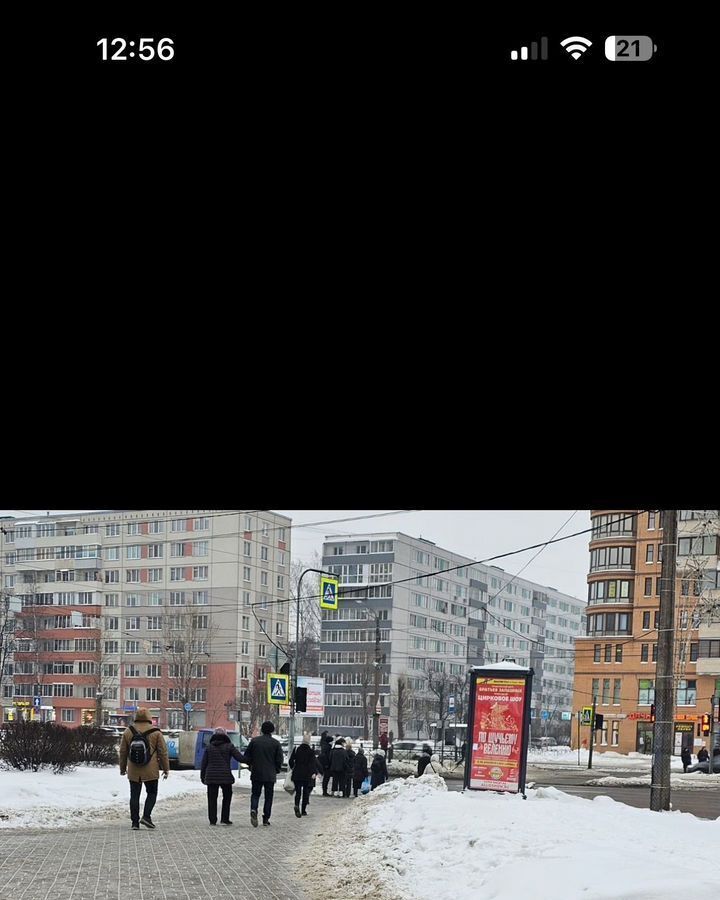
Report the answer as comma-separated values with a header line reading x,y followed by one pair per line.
x,y
576,46
523,52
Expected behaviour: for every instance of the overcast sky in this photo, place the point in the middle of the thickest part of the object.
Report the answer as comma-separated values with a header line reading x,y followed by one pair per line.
x,y
478,534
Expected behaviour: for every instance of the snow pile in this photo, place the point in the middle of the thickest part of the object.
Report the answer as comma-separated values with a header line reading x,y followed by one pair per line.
x,y
44,800
404,768
695,780
410,840
558,757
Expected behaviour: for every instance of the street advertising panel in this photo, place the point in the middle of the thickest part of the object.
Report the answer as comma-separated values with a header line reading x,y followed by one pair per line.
x,y
315,697
499,728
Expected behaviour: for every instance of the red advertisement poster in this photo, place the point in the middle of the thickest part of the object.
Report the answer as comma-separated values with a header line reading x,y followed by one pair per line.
x,y
497,734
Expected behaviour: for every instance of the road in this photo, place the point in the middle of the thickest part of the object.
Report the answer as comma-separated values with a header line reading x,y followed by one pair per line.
x,y
702,803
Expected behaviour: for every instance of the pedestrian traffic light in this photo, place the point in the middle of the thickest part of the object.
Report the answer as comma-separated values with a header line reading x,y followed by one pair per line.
x,y
706,724
598,721
301,699
652,712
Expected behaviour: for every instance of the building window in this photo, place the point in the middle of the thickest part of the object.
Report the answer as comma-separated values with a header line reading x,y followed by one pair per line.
x,y
112,576
654,653
618,652
608,652
650,553
246,573
248,523
246,548
67,715
132,575
177,574
648,587
177,525
646,693
615,733
201,524
652,515
704,545
616,691
281,582
686,692
246,623
606,692
245,647
595,688
646,621
644,652
155,551
112,530
132,552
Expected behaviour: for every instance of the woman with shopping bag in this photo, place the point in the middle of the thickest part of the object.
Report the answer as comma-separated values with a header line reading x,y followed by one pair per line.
x,y
304,766
360,771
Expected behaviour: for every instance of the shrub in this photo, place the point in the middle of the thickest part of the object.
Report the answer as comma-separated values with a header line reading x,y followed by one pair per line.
x,y
34,745
95,746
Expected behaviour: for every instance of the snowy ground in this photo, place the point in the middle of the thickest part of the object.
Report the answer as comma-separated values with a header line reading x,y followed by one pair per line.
x,y
414,840
610,759
44,800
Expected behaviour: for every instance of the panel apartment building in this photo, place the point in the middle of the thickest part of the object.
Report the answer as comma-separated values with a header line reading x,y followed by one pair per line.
x,y
464,614
616,658
156,608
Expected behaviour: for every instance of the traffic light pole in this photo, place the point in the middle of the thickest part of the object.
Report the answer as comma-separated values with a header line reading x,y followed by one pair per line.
x,y
664,707
592,733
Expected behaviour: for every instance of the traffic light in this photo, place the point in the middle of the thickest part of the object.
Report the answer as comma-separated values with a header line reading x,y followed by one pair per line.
x,y
706,724
598,721
652,712
301,699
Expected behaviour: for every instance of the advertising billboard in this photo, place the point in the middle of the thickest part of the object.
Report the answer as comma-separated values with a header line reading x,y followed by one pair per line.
x,y
499,728
315,697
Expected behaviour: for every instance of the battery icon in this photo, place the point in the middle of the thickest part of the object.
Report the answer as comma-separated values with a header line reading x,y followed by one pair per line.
x,y
629,47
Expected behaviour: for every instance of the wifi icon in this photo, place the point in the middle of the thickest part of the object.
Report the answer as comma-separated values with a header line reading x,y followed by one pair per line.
x,y
576,46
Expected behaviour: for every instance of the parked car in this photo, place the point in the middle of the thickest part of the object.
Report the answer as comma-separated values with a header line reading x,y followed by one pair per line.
x,y
408,750
543,743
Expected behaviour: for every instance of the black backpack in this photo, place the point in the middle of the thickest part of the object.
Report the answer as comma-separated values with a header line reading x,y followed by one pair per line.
x,y
140,753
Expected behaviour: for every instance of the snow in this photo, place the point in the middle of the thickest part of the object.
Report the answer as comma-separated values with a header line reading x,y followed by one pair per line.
x,y
502,666
43,800
414,840
564,756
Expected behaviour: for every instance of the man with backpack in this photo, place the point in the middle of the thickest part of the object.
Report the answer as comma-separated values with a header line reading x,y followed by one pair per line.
x,y
142,752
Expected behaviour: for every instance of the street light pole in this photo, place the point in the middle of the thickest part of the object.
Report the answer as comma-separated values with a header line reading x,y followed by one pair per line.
x,y
376,713
294,660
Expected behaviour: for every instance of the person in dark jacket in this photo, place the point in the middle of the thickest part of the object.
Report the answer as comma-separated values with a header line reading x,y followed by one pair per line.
x,y
686,757
348,776
265,757
378,770
324,757
360,770
337,767
304,765
703,755
215,772
424,760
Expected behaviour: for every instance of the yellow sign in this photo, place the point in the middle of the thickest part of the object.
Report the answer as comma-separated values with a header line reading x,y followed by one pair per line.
x,y
586,715
21,703
278,688
328,593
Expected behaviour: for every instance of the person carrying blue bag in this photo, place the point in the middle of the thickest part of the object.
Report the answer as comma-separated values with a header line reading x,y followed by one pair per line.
x,y
360,770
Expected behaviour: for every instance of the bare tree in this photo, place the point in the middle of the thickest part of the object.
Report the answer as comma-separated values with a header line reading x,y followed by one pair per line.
x,y
256,705
402,699
8,608
441,684
307,642
367,695
187,636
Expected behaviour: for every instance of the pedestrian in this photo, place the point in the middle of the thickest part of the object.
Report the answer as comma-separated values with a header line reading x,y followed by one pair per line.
x,y
703,755
142,753
324,757
348,774
304,765
215,772
686,757
265,757
384,741
462,751
378,770
337,767
360,770
424,760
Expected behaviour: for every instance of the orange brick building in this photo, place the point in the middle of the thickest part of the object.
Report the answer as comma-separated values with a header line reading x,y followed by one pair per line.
x,y
615,661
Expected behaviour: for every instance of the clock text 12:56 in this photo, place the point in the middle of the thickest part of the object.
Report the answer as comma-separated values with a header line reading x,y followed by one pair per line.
x,y
165,49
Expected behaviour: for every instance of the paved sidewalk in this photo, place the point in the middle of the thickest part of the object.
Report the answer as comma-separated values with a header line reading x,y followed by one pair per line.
x,y
184,858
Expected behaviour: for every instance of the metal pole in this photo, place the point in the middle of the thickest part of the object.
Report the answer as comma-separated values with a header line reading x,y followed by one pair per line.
x,y
578,735
662,742
592,732
714,734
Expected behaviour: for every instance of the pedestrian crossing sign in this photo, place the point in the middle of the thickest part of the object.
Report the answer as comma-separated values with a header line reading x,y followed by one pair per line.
x,y
278,688
329,593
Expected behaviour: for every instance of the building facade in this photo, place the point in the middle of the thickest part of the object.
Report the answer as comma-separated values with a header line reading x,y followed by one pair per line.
x,y
438,612
616,657
174,610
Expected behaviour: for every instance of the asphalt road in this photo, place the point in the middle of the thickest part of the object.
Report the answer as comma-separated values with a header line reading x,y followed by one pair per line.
x,y
704,803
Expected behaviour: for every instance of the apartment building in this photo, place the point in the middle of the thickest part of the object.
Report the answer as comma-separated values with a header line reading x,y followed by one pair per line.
x,y
446,613
175,610
616,657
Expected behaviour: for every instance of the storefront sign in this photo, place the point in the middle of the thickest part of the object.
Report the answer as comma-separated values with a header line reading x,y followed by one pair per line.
x,y
499,729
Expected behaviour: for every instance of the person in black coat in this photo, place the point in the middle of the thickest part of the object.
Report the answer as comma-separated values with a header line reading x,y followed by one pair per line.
x,y
378,770
703,755
337,767
304,765
686,757
324,757
265,757
424,760
215,772
360,770
348,777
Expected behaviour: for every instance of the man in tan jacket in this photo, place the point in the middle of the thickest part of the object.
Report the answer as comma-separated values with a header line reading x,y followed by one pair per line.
x,y
141,772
